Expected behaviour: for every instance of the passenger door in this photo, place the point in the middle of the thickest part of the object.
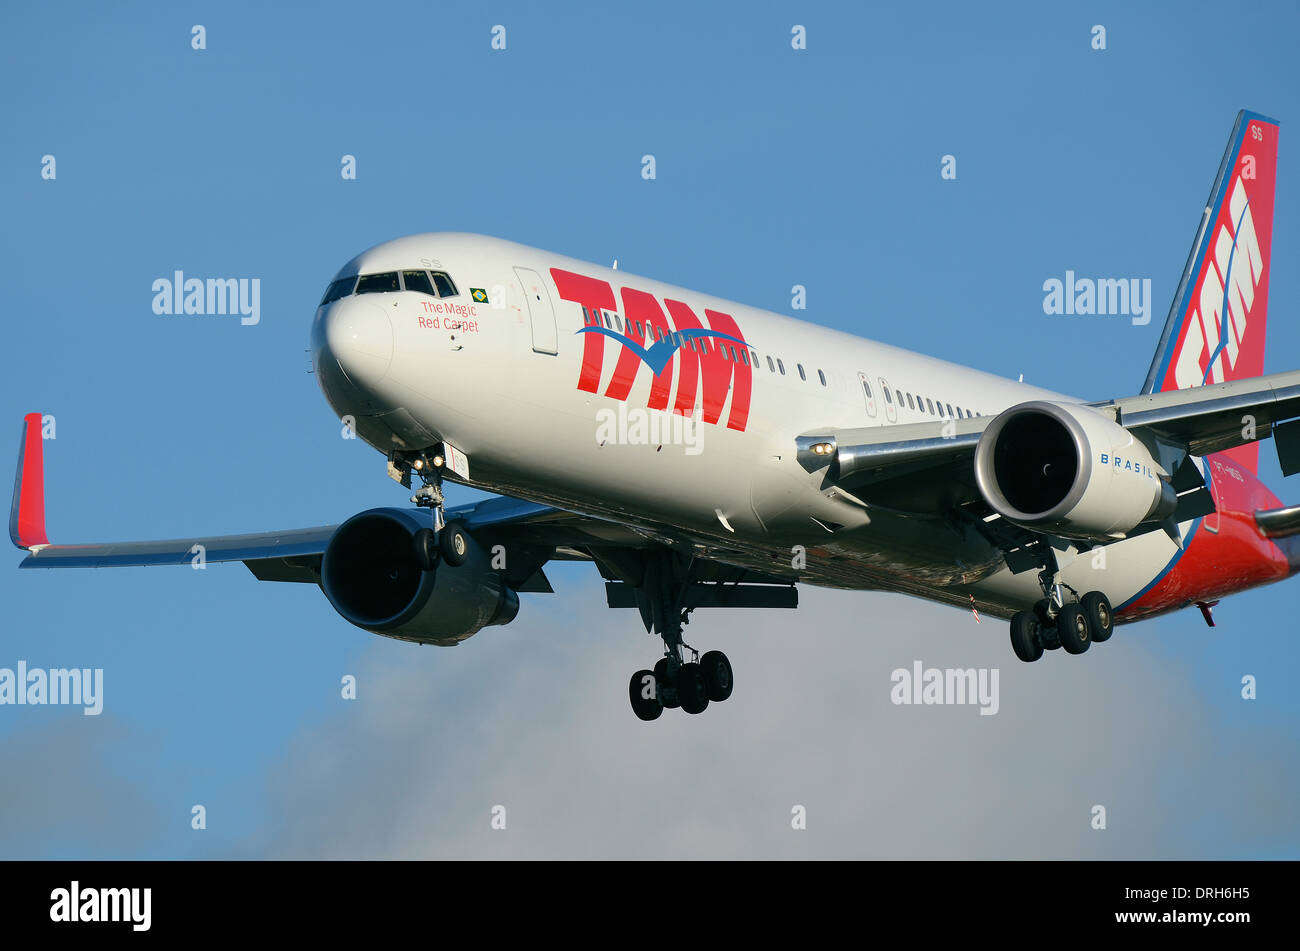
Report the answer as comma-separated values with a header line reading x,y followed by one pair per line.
x,y
891,411
541,313
867,394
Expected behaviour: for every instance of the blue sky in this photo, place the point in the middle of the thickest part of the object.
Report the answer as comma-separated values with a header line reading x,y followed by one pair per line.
x,y
774,167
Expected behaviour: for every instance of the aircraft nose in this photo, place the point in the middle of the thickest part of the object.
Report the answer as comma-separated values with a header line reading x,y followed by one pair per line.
x,y
359,336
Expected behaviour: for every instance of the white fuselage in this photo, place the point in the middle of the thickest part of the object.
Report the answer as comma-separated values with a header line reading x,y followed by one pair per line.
x,y
412,369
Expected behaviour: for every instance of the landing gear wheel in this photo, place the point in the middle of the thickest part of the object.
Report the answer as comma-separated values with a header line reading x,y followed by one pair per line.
x,y
1024,636
454,545
1101,619
1072,629
645,707
718,678
692,692
664,684
1046,627
426,549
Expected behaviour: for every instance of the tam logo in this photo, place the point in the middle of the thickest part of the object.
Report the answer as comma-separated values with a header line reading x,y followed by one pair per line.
x,y
1220,333
1227,294
713,361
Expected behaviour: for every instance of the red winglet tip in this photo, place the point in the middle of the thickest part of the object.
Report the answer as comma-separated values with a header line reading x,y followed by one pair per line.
x,y
27,512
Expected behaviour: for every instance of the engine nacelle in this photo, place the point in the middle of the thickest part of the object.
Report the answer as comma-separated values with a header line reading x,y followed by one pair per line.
x,y
370,574
1069,470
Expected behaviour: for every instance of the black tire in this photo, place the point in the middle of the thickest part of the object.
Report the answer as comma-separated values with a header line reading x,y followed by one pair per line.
x,y
1100,615
1024,636
425,544
719,680
692,693
664,683
1046,627
646,708
453,543
1073,629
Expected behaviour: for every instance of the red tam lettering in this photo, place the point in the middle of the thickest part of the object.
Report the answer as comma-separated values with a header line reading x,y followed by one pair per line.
x,y
595,295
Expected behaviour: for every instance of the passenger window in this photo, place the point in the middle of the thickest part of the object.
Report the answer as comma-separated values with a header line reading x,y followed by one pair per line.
x,y
771,367
378,283
780,366
801,376
909,402
888,398
340,288
949,407
744,356
754,355
867,387
899,394
822,377
445,287
417,281
959,413
929,404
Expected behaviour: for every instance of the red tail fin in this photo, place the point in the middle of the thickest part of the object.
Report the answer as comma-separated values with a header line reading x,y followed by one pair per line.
x,y
1216,327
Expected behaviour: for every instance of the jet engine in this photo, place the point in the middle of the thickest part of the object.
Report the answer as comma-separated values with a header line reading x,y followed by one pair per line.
x,y
1068,470
371,573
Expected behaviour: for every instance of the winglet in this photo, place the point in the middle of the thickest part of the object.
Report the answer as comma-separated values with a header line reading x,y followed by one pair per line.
x,y
27,512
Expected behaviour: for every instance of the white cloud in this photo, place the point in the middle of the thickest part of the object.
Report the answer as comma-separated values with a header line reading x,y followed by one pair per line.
x,y
535,717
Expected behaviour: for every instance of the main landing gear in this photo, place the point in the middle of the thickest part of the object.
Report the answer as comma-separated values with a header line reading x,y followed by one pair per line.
x,y
1057,622
675,681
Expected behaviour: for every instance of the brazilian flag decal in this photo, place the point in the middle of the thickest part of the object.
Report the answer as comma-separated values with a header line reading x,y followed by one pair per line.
x,y
478,294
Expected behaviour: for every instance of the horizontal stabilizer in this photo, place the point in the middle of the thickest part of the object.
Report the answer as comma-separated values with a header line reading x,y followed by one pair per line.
x,y
1279,523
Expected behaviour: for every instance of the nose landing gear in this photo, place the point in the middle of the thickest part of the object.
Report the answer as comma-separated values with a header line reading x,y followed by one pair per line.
x,y
442,542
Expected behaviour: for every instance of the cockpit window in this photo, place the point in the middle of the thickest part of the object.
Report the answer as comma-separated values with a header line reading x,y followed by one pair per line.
x,y
340,288
445,287
418,281
378,283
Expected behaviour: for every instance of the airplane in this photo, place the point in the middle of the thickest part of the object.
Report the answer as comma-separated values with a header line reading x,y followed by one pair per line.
x,y
701,453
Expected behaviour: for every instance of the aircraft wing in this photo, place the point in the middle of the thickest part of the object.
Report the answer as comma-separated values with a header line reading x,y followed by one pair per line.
x,y
928,468
295,554
1213,418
